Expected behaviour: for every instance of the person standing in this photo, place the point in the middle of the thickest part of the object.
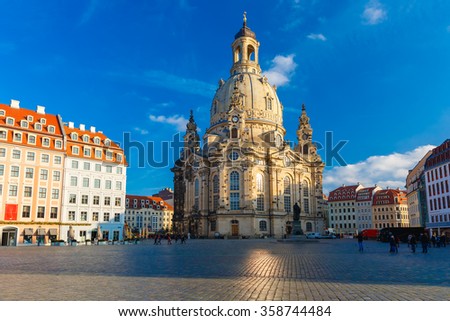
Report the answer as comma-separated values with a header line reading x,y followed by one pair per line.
x,y
392,245
413,242
424,240
360,243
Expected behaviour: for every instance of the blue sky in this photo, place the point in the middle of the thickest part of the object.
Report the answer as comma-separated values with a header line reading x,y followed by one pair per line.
x,y
375,73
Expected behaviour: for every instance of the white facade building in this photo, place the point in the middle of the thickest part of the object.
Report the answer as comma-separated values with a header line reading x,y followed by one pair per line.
x,y
94,186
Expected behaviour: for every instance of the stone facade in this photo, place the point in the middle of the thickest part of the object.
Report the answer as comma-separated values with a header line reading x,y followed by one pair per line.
x,y
244,180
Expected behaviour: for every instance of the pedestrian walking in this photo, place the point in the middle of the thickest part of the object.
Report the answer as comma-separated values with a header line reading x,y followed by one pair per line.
x,y
409,239
360,243
392,245
433,240
169,240
156,240
424,240
413,243
183,239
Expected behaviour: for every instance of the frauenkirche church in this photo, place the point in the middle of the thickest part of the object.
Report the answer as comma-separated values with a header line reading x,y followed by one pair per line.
x,y
245,179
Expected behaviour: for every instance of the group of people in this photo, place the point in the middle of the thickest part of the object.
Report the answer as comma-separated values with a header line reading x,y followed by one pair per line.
x,y
424,240
176,237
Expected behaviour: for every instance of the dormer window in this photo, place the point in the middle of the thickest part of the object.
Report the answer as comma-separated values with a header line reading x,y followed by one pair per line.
x,y
51,129
18,137
2,113
30,118
43,121
86,138
97,140
46,142
31,139
9,121
24,124
119,157
107,142
38,126
74,136
3,134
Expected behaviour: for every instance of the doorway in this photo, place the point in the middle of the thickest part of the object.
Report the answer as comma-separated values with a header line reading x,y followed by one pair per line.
x,y
9,237
234,228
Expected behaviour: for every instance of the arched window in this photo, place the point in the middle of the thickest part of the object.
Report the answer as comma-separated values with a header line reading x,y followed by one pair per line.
x,y
237,54
251,53
259,192
234,186
263,226
215,192
305,187
196,193
287,193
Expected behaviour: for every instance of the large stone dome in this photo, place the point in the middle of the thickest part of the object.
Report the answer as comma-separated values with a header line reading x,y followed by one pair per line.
x,y
259,100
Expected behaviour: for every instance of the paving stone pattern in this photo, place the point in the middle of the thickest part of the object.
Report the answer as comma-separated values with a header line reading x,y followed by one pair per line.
x,y
219,270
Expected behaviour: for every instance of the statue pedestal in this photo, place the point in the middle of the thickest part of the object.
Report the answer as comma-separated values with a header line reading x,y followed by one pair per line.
x,y
296,229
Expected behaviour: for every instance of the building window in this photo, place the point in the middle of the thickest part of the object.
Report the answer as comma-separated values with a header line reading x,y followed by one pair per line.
x,y
58,144
72,199
71,216
57,160
74,136
95,216
105,217
83,216
42,192
287,194
44,174
109,155
51,129
56,176
73,181
86,166
75,164
118,201
107,200
54,212
98,167
196,193
17,137
97,183
87,152
96,200
85,182
108,168
55,193
45,142
118,186
45,158
30,156
75,150
97,140
234,181
2,152
107,184
2,169
86,138
98,153
263,226
3,134
15,154
29,172
26,211
31,139
234,201
309,226
84,199
259,192
306,205
116,217
28,191
10,121
215,192
40,212
14,171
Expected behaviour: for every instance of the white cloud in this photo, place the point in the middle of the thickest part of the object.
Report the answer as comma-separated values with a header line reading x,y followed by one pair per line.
x,y
282,69
317,36
385,170
178,121
374,13
141,131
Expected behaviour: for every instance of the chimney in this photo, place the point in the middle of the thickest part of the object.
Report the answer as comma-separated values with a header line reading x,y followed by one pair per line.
x,y
100,132
40,110
15,104
70,124
82,127
92,129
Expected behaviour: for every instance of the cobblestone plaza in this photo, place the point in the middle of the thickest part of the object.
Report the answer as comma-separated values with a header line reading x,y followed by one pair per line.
x,y
218,270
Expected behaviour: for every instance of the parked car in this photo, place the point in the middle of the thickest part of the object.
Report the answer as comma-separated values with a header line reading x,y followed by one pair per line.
x,y
328,236
313,235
